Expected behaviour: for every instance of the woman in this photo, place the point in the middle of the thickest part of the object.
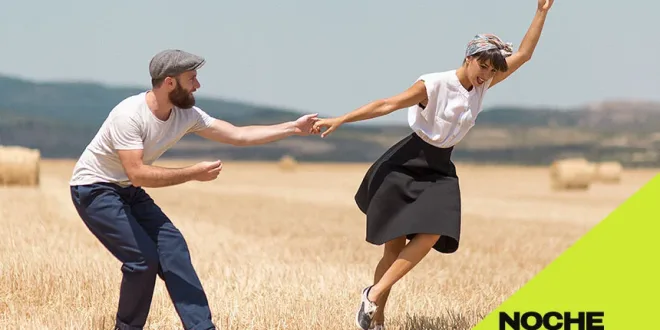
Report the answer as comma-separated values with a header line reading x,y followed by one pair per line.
x,y
412,191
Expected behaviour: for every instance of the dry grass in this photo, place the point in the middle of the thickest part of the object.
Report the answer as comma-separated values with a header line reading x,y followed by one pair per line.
x,y
286,250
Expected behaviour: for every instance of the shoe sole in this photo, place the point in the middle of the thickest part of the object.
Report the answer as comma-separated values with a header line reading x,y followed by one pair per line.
x,y
357,314
357,317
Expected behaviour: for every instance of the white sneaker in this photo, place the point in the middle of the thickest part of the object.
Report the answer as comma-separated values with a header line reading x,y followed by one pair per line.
x,y
366,311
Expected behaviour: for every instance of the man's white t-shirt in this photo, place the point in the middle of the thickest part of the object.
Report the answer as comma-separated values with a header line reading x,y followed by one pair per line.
x,y
451,110
132,125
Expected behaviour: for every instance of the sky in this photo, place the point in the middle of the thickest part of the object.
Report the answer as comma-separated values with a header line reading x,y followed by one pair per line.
x,y
331,57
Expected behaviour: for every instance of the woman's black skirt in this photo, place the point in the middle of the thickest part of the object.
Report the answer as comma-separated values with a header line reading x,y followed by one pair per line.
x,y
412,189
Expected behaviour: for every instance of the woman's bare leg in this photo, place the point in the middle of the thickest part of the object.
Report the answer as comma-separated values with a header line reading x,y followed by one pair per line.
x,y
391,251
409,257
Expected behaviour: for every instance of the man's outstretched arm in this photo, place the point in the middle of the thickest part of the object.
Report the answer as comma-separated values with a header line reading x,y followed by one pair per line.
x,y
224,132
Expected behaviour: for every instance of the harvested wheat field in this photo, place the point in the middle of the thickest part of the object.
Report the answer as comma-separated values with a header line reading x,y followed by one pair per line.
x,y
285,249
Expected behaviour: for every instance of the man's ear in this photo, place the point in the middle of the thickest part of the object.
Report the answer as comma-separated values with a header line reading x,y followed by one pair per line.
x,y
170,83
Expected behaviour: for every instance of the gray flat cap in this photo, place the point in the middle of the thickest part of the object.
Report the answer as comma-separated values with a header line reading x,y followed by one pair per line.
x,y
172,62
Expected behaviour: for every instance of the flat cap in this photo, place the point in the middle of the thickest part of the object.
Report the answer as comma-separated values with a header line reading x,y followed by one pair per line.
x,y
171,62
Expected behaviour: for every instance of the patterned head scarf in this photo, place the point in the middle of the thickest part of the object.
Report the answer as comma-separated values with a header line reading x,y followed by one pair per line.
x,y
486,41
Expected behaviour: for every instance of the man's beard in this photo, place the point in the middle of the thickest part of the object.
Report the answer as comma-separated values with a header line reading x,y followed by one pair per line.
x,y
181,98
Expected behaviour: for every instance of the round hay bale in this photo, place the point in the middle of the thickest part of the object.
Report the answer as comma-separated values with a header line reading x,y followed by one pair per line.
x,y
571,174
19,166
609,172
287,163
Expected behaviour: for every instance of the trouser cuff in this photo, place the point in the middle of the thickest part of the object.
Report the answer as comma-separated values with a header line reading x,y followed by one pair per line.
x,y
206,325
119,325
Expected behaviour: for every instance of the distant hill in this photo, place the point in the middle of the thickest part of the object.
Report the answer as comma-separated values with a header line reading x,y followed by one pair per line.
x,y
61,117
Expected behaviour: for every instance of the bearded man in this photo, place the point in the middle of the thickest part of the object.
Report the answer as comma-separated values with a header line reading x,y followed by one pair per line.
x,y
108,179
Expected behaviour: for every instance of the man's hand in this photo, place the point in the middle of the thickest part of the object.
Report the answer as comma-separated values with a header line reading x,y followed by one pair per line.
x,y
304,125
329,124
207,171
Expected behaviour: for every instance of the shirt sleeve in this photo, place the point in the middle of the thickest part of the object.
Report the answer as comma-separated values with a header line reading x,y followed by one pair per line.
x,y
201,120
432,83
125,133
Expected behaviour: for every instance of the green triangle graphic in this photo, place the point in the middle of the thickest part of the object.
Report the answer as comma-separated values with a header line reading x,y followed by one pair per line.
x,y
612,269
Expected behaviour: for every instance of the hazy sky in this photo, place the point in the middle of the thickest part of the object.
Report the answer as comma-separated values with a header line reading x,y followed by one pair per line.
x,y
333,56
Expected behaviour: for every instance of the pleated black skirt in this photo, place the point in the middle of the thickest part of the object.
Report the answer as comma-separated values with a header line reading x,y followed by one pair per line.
x,y
411,189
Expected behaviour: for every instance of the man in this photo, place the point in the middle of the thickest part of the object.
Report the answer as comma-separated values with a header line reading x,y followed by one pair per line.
x,y
107,181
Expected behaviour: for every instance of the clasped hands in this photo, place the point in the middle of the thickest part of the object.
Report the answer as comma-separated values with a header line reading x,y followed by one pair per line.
x,y
312,125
